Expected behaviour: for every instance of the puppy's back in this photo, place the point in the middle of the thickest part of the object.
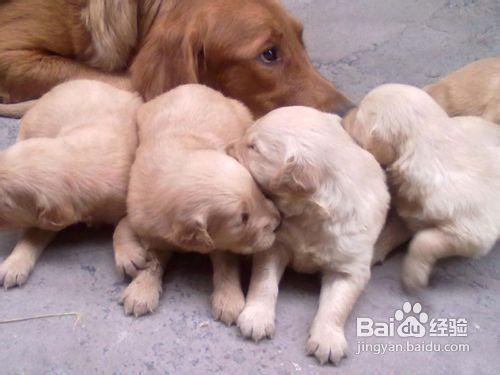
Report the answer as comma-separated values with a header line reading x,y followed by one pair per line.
x,y
194,109
471,90
76,103
485,132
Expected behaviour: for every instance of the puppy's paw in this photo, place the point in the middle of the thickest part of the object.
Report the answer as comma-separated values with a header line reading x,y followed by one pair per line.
x,y
14,271
130,260
140,297
415,273
256,321
327,344
227,304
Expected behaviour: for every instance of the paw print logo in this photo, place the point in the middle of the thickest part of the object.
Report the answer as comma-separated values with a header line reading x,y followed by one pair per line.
x,y
412,320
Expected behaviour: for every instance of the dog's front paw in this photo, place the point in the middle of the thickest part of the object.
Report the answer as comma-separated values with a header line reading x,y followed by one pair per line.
x,y
14,271
140,297
256,321
130,260
327,344
227,305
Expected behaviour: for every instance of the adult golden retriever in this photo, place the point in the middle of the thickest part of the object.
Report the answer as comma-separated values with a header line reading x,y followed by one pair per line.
x,y
251,50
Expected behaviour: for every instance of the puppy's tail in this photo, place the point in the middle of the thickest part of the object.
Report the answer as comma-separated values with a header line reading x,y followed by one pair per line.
x,y
16,110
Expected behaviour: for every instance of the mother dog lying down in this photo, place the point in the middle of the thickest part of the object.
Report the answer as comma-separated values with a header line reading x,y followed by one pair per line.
x,y
186,194
251,50
71,164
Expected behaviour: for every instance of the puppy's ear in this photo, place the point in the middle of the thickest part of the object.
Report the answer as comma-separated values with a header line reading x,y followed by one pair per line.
x,y
56,217
192,234
295,178
169,57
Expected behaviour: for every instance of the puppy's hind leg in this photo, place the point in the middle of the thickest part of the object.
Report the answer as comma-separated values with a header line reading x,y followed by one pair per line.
x,y
339,293
143,293
257,318
130,255
14,271
227,299
428,246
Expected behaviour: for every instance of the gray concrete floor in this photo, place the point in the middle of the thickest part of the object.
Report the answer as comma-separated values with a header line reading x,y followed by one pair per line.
x,y
358,44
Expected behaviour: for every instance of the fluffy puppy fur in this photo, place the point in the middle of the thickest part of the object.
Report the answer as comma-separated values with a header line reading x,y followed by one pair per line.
x,y
473,90
70,165
443,173
333,196
186,194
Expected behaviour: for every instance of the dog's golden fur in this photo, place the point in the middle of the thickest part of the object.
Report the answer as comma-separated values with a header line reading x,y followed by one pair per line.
x,y
113,35
443,173
186,194
473,90
165,43
70,164
334,199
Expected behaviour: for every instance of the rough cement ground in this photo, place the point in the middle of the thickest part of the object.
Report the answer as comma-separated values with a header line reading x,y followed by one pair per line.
x,y
358,44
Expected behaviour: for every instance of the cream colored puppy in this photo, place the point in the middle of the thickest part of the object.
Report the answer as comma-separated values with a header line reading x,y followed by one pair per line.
x,y
333,196
443,173
473,90
70,164
186,194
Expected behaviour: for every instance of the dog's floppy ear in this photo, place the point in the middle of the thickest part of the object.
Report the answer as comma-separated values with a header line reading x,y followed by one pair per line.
x,y
192,234
295,177
377,138
168,58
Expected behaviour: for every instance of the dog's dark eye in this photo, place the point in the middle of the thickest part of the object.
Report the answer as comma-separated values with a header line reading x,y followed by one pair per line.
x,y
269,56
244,217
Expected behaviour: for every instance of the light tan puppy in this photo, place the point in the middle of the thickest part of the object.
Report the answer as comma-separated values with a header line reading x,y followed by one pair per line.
x,y
444,174
334,199
186,194
70,165
473,90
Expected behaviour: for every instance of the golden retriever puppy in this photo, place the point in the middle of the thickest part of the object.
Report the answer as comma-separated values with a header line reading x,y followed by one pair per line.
x,y
445,178
473,90
186,194
70,164
334,199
